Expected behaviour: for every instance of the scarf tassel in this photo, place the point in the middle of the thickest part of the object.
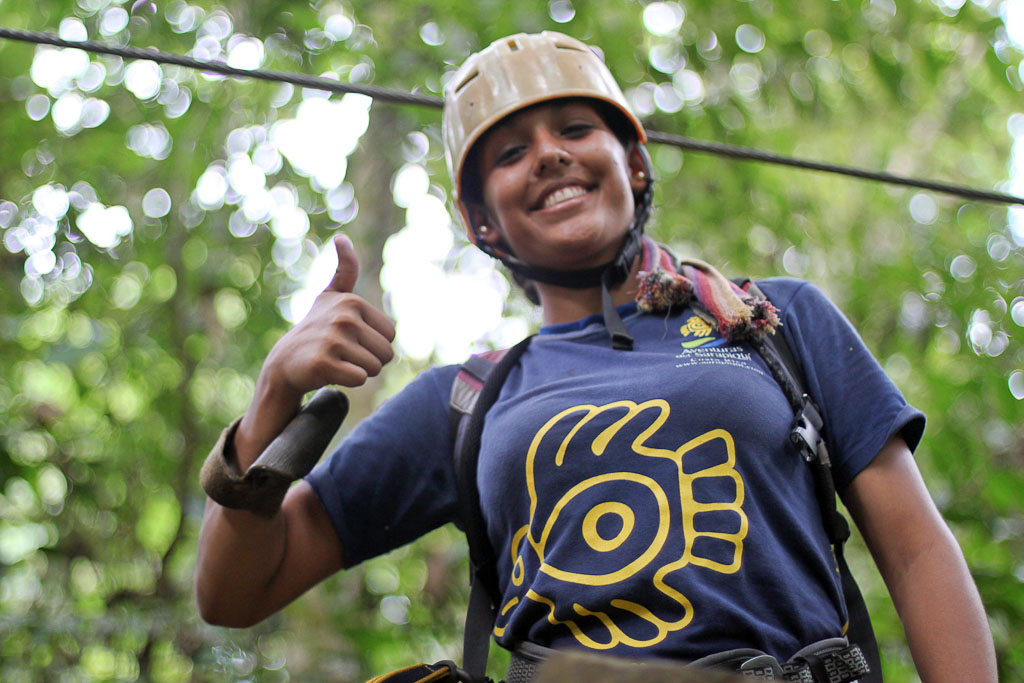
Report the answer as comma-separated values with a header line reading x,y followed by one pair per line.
x,y
660,290
739,315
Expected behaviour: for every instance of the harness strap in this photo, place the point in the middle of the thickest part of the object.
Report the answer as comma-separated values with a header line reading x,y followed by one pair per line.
x,y
476,389
525,660
809,439
841,663
466,388
830,661
441,672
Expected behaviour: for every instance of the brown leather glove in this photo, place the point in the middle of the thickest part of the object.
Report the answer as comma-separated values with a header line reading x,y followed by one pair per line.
x,y
289,457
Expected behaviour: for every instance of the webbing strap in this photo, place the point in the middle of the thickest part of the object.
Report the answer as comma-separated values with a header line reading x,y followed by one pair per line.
x,y
466,389
441,672
484,595
860,630
476,638
807,436
833,660
622,340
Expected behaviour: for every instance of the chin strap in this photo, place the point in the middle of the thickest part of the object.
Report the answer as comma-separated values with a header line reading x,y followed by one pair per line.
x,y
616,273
622,340
606,276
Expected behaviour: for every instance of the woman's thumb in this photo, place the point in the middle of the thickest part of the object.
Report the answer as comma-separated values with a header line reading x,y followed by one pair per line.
x,y
344,279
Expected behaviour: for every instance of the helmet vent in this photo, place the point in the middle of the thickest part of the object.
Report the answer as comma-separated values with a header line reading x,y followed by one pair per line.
x,y
513,45
466,80
568,46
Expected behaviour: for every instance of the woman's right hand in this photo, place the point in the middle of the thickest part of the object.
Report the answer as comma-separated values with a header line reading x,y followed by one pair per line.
x,y
342,340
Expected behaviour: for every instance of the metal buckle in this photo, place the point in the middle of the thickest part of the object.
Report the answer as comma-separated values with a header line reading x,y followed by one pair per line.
x,y
806,433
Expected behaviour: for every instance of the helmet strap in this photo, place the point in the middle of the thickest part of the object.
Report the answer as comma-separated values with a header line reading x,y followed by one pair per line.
x,y
606,276
615,273
622,340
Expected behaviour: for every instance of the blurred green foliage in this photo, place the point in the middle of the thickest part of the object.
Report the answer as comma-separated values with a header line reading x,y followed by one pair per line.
x,y
121,362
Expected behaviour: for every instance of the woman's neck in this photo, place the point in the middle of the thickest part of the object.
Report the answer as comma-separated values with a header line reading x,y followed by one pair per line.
x,y
565,305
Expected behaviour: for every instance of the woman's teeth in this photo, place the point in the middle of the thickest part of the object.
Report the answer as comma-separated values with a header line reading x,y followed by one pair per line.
x,y
564,194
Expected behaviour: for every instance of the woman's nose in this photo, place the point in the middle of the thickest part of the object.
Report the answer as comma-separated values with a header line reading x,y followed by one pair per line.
x,y
550,153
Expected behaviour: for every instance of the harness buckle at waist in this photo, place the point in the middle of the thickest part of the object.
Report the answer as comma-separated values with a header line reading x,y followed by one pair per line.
x,y
832,660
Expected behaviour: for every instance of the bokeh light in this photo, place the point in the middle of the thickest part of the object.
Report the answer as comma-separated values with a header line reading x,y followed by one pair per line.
x,y
663,18
750,38
105,226
561,11
156,203
334,125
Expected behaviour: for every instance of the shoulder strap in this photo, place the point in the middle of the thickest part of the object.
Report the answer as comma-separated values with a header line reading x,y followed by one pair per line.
x,y
808,436
475,390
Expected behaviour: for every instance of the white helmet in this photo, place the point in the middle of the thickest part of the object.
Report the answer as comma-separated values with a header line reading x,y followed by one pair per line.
x,y
511,74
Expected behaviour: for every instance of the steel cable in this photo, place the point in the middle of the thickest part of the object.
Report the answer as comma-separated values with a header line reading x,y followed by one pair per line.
x,y
402,97
748,154
154,55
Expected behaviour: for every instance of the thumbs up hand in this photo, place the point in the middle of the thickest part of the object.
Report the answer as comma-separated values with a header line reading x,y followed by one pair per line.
x,y
342,340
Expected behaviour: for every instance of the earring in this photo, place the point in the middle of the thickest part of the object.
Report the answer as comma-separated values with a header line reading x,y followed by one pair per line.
x,y
640,175
483,230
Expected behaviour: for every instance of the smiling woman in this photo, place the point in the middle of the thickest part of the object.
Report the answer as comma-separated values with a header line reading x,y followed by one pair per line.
x,y
148,358
637,472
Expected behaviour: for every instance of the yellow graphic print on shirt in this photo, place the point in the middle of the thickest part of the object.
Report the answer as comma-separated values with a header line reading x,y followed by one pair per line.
x,y
604,626
697,326
697,332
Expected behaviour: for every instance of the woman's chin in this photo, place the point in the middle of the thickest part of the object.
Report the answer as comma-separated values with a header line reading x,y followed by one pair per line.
x,y
575,249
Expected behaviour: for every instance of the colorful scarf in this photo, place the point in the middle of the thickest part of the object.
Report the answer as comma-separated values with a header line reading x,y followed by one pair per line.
x,y
664,283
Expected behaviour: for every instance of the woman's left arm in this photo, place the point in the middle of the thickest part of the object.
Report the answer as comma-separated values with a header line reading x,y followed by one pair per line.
x,y
923,567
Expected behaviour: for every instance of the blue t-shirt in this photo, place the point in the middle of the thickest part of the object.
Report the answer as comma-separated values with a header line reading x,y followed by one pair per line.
x,y
643,503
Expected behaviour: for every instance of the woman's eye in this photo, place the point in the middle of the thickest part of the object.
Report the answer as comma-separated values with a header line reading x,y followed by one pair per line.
x,y
577,129
508,155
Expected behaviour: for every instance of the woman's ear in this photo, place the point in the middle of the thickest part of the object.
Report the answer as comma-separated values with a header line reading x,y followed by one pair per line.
x,y
638,174
483,226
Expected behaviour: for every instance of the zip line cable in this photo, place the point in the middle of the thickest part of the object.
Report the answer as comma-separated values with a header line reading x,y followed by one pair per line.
x,y
154,55
406,98
749,154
